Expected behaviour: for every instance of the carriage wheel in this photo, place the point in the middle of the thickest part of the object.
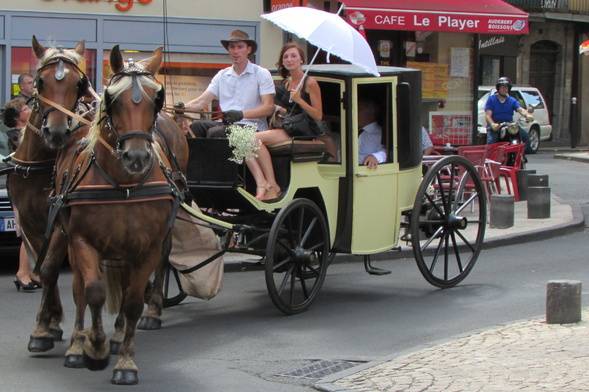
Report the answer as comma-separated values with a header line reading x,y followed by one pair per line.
x,y
173,293
448,221
297,256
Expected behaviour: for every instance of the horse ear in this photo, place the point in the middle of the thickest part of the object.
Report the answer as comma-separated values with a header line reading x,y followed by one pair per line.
x,y
80,47
38,48
152,64
116,60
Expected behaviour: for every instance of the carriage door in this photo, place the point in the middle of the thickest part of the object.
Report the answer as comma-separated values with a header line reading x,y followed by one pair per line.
x,y
374,214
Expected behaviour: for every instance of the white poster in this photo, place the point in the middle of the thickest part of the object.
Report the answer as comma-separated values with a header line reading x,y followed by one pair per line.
x,y
459,62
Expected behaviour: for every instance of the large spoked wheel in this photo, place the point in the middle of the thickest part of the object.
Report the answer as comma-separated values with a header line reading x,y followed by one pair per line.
x,y
297,256
448,221
173,293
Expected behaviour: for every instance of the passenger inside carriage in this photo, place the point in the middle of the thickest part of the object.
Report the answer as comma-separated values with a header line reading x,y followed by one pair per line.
x,y
371,151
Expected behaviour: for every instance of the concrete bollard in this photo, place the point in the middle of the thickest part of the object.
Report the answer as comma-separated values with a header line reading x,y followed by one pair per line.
x,y
538,202
563,301
502,211
538,180
522,183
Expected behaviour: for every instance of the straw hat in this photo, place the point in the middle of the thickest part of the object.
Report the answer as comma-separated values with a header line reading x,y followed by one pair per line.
x,y
237,36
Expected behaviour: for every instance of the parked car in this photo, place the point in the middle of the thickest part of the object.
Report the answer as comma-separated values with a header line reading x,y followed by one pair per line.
x,y
528,97
9,242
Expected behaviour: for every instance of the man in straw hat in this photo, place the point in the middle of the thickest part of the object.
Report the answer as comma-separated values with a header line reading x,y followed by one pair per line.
x,y
245,90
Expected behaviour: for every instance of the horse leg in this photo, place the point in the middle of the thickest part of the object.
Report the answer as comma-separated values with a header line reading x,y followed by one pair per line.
x,y
96,346
117,337
50,312
74,356
125,370
151,319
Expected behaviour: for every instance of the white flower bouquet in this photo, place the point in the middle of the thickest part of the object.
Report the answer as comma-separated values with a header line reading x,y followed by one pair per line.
x,y
242,138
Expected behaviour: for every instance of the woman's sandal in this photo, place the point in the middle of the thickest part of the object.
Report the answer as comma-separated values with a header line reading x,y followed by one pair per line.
x,y
276,196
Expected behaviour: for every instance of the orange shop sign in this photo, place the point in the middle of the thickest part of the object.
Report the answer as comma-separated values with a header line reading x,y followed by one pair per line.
x,y
276,5
120,5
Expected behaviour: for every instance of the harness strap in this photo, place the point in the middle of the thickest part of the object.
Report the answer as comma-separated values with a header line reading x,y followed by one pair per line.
x,y
63,110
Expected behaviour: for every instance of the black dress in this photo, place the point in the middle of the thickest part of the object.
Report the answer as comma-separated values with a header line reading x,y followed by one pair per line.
x,y
282,98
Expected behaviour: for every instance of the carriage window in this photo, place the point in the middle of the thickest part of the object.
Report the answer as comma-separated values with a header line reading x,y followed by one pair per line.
x,y
375,136
330,96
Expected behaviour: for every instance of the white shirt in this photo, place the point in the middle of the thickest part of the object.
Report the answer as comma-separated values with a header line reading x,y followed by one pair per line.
x,y
369,143
243,92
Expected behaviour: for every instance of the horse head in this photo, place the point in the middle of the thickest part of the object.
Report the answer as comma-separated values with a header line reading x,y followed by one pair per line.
x,y
131,103
59,83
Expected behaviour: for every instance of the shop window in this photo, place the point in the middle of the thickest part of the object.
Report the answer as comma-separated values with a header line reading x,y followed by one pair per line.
x,y
25,61
185,75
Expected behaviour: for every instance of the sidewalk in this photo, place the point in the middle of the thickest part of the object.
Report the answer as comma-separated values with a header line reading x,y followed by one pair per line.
x,y
523,356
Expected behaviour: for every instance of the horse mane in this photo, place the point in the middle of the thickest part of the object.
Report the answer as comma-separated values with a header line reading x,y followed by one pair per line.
x,y
114,91
52,53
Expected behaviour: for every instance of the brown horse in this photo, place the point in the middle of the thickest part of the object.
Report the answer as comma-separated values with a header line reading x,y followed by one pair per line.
x,y
119,202
59,82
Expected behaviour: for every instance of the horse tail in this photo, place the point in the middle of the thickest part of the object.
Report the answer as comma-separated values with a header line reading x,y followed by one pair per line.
x,y
114,289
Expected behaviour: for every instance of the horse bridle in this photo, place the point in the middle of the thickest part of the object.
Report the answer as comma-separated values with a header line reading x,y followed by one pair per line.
x,y
83,86
134,71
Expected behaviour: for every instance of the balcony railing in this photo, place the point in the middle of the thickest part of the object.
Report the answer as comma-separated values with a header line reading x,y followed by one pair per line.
x,y
572,6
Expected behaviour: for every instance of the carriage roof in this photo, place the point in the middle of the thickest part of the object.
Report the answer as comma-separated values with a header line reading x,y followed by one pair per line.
x,y
353,70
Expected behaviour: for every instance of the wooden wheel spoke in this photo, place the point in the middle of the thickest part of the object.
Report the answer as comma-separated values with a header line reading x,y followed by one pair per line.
x,y
466,241
313,270
308,231
317,246
473,196
289,250
285,280
292,285
446,256
166,281
450,188
434,204
433,237
281,264
301,222
436,255
304,286
457,253
441,189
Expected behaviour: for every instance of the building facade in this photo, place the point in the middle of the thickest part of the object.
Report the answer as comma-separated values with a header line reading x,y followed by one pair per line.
x,y
190,31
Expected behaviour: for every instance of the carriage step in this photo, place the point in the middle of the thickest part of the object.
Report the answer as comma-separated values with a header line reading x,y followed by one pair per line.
x,y
373,270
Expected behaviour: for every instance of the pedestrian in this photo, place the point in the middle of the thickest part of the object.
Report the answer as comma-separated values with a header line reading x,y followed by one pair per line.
x,y
245,90
16,115
26,86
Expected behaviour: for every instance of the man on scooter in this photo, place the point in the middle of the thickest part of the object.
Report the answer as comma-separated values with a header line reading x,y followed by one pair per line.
x,y
499,108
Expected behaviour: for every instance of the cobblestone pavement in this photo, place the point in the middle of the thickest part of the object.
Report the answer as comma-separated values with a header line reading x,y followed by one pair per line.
x,y
525,356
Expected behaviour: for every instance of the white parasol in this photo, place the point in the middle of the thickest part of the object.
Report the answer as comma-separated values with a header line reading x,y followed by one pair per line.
x,y
326,31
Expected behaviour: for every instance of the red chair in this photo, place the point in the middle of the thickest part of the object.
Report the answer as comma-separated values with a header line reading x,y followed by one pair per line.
x,y
509,173
488,169
495,157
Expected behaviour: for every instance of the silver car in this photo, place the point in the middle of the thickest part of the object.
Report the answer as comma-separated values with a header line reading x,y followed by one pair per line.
x,y
530,98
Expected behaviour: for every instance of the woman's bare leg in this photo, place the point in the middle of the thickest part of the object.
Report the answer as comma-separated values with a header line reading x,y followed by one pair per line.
x,y
269,137
258,174
24,269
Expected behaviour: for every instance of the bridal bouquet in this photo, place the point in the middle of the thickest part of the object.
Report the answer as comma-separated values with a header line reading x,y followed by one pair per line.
x,y
242,139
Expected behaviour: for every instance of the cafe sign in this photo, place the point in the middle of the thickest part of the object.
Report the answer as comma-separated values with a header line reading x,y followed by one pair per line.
x,y
454,22
119,5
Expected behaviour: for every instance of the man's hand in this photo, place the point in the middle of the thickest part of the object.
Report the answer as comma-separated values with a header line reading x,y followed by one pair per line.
x,y
232,116
371,162
495,126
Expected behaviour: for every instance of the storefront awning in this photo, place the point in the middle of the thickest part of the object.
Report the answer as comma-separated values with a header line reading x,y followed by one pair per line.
x,y
457,16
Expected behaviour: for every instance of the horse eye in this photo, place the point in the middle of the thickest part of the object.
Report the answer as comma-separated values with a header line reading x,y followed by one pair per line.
x,y
39,84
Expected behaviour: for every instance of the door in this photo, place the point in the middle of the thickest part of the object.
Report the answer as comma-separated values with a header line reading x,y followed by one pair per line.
x,y
373,137
543,58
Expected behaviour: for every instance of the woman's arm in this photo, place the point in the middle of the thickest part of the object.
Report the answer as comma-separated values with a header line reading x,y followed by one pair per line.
x,y
315,109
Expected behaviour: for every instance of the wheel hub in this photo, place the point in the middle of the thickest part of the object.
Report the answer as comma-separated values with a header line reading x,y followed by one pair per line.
x,y
301,255
457,222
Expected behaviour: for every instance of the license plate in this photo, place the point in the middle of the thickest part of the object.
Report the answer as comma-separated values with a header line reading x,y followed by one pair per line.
x,y
7,224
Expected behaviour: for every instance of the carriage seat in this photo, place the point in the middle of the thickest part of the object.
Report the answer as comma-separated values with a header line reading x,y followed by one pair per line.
x,y
299,150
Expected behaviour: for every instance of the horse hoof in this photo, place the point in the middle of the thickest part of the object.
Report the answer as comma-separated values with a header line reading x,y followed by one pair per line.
x,y
149,323
57,334
124,377
39,345
74,362
95,364
114,347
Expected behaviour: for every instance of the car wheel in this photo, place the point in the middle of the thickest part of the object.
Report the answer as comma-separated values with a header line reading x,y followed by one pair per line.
x,y
534,140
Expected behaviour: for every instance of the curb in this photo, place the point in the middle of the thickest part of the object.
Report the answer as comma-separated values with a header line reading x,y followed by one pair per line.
x,y
406,251
326,384
570,157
